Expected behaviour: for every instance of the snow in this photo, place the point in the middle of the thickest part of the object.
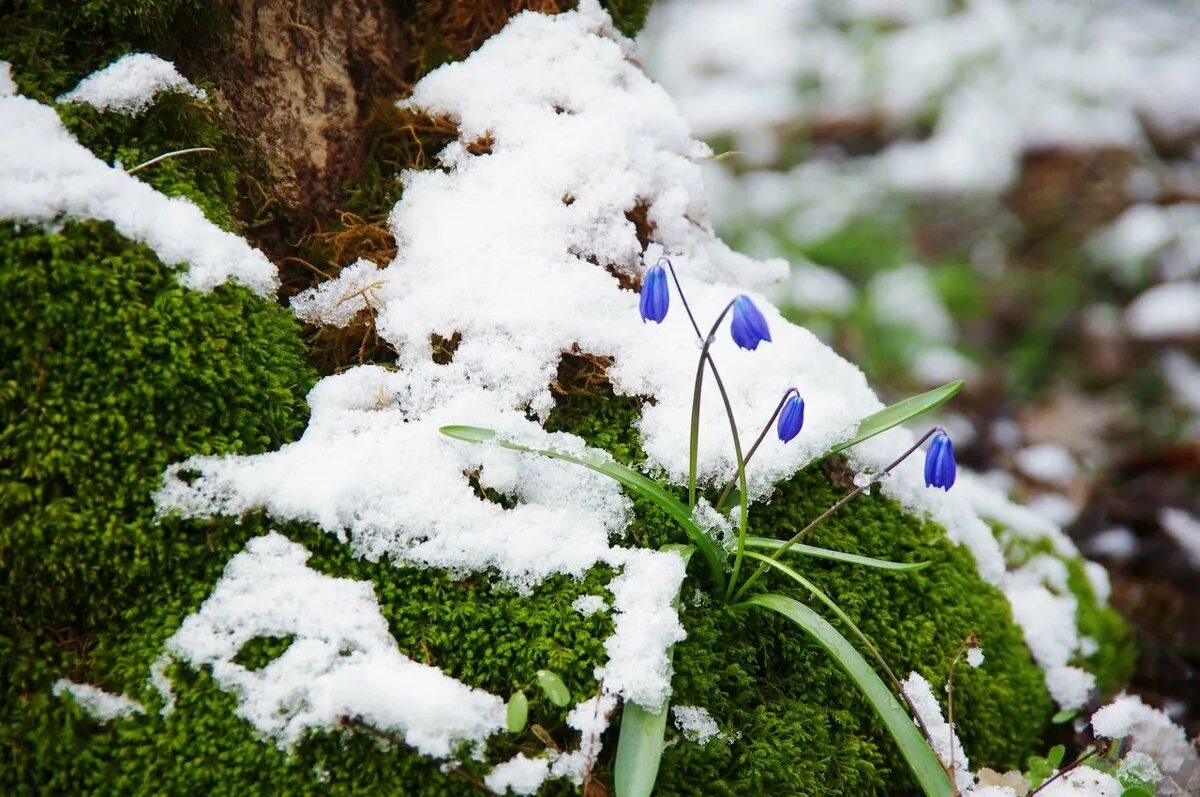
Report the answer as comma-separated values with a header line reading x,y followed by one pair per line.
x,y
521,774
814,287
489,249
7,86
1000,78
906,297
102,705
696,724
587,605
1138,767
1169,310
975,657
1083,781
1047,462
46,175
335,303
1116,543
1184,528
130,84
342,661
1055,507
1183,378
1152,732
942,738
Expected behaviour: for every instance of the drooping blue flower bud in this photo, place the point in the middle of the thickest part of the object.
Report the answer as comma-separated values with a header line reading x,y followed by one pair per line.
x,y
749,328
791,418
940,468
656,298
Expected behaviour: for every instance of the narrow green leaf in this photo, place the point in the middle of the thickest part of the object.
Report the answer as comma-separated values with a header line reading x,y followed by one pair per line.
x,y
518,712
769,543
898,413
556,691
640,745
646,487
921,759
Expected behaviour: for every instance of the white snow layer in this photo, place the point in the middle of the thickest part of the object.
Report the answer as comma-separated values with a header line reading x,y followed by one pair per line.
x,y
342,661
1083,781
503,248
130,84
46,175
1170,310
102,705
942,737
1151,731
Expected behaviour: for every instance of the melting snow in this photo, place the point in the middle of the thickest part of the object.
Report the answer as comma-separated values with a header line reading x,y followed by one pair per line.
x,y
1150,731
130,84
46,175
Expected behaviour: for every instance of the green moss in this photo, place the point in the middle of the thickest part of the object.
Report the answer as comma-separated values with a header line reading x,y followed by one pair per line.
x,y
629,16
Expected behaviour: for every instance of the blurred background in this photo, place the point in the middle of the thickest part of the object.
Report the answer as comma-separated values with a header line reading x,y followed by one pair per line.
x,y
1001,191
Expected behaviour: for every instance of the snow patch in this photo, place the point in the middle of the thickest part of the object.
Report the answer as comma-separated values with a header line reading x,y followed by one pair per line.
x,y
1184,528
7,86
696,724
942,738
130,84
1152,732
587,605
64,179
102,705
1170,310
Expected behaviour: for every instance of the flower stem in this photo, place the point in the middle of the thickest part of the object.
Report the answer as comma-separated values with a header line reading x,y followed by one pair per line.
x,y
761,435
694,441
847,498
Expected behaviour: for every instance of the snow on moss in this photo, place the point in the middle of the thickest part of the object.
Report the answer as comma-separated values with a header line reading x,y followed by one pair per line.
x,y
46,176
521,251
7,86
102,705
130,84
696,724
342,660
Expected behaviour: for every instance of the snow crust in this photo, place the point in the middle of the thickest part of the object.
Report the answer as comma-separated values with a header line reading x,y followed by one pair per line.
x,y
46,175
942,738
102,705
342,661
696,724
130,84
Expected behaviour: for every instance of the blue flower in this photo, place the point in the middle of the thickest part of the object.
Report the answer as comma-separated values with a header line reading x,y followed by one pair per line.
x,y
655,296
791,418
939,462
749,328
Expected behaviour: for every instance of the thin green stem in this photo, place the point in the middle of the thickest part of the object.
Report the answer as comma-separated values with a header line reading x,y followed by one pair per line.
x,y
694,442
847,498
761,436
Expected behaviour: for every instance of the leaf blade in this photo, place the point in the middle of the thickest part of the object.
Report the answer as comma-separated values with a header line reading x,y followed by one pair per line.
x,y
915,749
640,744
769,543
898,413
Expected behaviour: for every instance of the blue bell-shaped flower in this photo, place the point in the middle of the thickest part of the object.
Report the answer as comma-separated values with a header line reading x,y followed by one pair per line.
x,y
748,328
656,297
940,467
791,418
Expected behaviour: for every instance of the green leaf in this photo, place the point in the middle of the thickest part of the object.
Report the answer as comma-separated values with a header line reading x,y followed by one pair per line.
x,y
556,691
646,487
769,543
1066,715
921,759
640,745
898,413
1055,756
518,712
1137,791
